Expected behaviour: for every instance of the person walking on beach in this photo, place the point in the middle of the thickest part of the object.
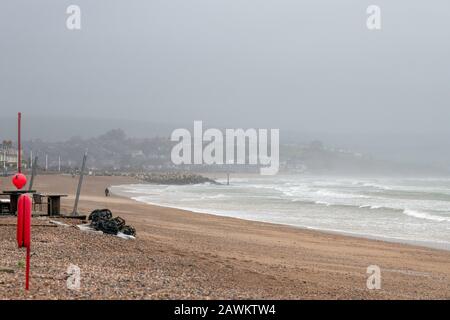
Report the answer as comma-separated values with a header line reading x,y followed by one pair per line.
x,y
106,192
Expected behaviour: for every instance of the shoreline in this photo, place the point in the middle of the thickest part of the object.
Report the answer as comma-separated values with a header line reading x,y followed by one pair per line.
x,y
418,243
181,254
421,244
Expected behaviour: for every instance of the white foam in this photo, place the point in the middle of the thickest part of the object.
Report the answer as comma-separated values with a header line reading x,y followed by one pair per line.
x,y
323,202
339,195
372,207
347,205
424,215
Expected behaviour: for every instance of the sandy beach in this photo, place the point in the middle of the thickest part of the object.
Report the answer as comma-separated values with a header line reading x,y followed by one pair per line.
x,y
181,254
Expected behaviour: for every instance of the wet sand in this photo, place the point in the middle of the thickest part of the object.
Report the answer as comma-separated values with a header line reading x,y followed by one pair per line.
x,y
181,254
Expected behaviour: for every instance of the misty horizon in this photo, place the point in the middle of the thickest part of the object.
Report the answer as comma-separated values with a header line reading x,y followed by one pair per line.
x,y
312,70
406,148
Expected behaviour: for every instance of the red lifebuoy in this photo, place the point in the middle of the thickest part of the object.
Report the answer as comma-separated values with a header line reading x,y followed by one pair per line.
x,y
24,221
24,231
20,218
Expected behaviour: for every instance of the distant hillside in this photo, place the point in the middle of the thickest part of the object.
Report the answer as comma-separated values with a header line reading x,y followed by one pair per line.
x,y
115,151
53,129
110,151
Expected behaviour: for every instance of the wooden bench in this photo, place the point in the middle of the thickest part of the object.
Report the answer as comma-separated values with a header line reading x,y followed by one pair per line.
x,y
54,203
5,206
14,197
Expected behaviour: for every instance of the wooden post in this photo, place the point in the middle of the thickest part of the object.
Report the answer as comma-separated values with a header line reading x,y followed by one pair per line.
x,y
33,172
80,182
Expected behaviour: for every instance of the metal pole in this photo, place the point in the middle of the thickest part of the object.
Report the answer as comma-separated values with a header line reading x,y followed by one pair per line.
x,y
228,166
80,182
5,170
33,172
19,146
31,159
46,162
59,164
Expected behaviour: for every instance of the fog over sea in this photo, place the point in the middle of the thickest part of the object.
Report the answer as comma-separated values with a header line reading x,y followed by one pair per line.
x,y
409,210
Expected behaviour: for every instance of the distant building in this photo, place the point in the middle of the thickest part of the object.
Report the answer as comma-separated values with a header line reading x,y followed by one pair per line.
x,y
8,155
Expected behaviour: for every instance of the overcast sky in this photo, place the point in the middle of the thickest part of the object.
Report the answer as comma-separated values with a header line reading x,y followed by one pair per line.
x,y
311,66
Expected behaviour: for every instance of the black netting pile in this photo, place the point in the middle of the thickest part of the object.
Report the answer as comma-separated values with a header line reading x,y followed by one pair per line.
x,y
102,219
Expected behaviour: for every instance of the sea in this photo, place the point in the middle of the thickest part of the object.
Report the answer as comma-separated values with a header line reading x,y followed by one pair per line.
x,y
406,210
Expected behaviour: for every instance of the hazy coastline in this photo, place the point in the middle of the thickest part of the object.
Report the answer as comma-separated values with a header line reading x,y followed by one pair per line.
x,y
346,206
